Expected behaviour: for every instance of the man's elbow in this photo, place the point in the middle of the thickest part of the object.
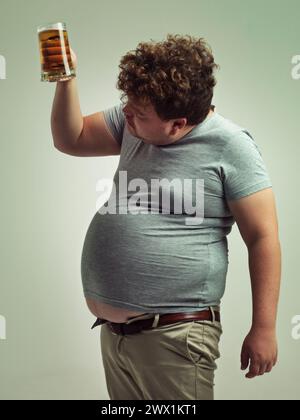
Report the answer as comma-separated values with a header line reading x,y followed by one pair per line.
x,y
62,148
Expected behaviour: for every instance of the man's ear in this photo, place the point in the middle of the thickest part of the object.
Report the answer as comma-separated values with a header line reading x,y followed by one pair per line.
x,y
180,123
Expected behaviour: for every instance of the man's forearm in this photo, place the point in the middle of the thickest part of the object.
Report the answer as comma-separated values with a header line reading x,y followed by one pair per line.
x,y
265,272
66,116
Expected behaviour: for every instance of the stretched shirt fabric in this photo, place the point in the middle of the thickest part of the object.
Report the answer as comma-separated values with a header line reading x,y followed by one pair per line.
x,y
158,262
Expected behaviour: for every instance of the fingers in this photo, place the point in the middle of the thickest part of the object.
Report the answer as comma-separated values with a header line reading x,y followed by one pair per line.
x,y
254,370
55,50
262,369
269,367
257,368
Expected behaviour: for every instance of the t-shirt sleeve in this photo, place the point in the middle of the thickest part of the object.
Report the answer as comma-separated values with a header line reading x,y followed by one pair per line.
x,y
243,170
115,120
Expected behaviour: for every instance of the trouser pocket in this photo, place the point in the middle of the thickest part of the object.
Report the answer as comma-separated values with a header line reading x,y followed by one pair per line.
x,y
202,343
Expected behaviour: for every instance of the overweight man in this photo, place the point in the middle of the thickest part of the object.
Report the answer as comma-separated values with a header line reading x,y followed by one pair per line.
x,y
155,255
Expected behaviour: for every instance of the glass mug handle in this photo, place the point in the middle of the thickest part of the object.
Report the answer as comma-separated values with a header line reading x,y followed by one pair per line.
x,y
55,53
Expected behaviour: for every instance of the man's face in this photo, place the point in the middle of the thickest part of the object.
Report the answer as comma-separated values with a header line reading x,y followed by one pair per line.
x,y
144,123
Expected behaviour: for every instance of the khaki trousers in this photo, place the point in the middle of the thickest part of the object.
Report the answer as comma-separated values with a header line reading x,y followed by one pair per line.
x,y
170,362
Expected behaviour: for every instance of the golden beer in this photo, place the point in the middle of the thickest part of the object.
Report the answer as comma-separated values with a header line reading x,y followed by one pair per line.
x,y
55,56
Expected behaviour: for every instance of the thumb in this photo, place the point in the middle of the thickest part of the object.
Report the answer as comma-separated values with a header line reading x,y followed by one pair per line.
x,y
244,359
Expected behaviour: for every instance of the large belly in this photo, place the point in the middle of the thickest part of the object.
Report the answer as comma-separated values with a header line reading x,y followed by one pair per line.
x,y
134,264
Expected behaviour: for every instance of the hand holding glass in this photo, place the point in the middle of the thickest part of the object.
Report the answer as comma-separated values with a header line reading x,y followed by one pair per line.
x,y
55,53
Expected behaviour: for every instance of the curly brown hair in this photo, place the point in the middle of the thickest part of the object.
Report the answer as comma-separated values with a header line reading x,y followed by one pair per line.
x,y
175,76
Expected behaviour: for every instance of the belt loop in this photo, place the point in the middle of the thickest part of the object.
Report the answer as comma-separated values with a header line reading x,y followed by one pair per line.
x,y
212,313
155,322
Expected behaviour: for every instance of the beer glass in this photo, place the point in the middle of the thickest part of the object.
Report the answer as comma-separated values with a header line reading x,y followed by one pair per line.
x,y
55,55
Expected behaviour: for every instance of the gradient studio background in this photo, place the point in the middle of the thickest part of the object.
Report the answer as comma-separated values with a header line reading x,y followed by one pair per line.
x,y
48,198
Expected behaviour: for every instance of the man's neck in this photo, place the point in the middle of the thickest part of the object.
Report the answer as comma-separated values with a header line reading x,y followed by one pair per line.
x,y
209,115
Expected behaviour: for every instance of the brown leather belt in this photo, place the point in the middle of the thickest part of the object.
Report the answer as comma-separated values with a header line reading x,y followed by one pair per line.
x,y
144,324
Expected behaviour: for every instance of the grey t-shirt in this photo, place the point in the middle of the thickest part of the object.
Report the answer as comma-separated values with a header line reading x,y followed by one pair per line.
x,y
158,262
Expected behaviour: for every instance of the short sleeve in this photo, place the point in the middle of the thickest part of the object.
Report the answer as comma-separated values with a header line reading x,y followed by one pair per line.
x,y
115,120
243,170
